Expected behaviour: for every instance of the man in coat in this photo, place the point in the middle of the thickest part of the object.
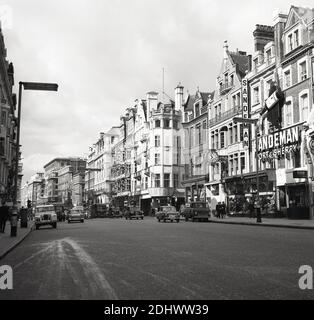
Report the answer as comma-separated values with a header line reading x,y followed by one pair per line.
x,y
4,214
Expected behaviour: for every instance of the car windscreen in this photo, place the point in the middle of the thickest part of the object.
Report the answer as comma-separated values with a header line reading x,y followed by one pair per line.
x,y
199,205
44,209
168,209
76,212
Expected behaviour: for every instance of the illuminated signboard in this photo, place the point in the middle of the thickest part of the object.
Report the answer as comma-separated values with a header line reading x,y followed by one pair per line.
x,y
245,113
279,143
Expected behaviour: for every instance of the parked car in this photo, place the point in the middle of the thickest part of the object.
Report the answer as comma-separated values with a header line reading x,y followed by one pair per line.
x,y
196,211
116,213
166,213
45,215
133,213
76,214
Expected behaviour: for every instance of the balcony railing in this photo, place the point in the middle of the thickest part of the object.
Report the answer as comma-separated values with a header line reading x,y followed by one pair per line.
x,y
225,87
225,115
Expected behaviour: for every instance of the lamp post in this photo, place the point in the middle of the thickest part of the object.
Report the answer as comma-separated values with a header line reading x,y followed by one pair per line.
x,y
253,121
27,86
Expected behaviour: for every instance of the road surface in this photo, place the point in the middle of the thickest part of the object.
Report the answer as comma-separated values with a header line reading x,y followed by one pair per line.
x,y
123,259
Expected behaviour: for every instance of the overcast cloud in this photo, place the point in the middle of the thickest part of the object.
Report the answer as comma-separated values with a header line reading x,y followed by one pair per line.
x,y
105,54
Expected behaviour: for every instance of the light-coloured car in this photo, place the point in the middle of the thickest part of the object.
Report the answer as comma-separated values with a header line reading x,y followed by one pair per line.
x,y
45,215
76,214
168,213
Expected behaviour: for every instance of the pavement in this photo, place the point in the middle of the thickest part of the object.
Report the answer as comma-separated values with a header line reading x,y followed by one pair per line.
x,y
267,222
8,243
111,259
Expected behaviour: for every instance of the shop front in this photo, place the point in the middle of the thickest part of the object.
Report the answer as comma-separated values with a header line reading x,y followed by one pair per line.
x,y
294,193
242,189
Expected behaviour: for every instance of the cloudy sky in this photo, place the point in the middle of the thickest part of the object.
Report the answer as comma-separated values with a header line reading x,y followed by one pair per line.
x,y
105,54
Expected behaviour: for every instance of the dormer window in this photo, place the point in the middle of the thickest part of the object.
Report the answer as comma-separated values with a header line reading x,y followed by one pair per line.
x,y
268,55
292,40
197,109
226,78
255,63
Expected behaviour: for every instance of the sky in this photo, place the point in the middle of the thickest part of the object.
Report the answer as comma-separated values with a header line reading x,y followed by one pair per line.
x,y
106,54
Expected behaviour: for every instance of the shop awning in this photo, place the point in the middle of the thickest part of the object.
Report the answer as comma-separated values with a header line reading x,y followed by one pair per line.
x,y
270,173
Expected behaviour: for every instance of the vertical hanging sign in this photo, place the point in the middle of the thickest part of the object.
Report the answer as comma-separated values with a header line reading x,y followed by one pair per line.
x,y
245,113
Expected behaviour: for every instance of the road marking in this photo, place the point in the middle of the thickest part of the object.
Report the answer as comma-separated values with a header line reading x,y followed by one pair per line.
x,y
91,270
97,282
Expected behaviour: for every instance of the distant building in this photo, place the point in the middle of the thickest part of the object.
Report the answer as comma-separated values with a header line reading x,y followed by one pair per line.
x,y
58,178
98,186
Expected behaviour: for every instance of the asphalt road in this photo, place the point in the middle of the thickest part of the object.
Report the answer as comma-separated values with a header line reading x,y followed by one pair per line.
x,y
119,259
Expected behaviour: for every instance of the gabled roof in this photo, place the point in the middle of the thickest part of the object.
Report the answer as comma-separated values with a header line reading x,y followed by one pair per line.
x,y
306,14
189,105
241,61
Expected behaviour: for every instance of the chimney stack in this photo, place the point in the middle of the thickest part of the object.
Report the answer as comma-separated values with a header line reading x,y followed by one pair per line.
x,y
178,94
262,35
152,100
280,20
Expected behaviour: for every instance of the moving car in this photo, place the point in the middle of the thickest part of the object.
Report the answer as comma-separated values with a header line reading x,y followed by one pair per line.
x,y
45,215
196,211
133,213
76,214
166,213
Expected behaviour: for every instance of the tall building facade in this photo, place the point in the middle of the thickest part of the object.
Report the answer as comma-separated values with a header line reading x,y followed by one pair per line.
x,y
227,157
196,144
8,126
282,81
98,186
147,158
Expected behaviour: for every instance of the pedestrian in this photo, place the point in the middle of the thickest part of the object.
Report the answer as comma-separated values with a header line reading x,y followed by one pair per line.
x,y
218,210
4,213
223,210
251,208
1,218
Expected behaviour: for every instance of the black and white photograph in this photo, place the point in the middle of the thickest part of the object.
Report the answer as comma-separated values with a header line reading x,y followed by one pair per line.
x,y
156,151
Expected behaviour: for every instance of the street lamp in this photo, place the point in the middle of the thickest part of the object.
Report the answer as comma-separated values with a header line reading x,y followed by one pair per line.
x,y
253,121
27,86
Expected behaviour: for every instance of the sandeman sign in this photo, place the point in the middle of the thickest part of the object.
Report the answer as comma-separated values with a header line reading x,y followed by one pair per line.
x,y
245,113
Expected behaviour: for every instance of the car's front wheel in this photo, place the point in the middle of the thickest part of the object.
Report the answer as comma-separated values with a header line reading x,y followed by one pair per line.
x,y
54,225
37,227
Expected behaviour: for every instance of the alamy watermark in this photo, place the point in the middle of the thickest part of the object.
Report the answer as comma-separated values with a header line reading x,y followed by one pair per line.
x,y
6,17
306,280
6,278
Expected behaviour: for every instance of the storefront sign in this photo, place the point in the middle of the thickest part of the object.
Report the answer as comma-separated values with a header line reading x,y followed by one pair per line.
x,y
271,101
280,143
245,113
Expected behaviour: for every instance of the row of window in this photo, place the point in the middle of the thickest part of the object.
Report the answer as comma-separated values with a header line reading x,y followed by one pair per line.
x,y
227,136
289,80
166,124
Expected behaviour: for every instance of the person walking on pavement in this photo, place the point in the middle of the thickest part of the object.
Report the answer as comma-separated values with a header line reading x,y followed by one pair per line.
x,y
1,217
218,210
4,213
251,208
223,210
